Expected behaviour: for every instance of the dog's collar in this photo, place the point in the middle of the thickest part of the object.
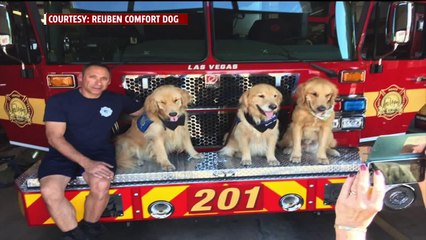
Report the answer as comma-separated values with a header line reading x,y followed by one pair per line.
x,y
323,115
173,125
263,125
143,122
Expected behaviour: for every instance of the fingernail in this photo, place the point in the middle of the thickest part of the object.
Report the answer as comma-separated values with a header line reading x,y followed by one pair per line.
x,y
352,175
363,167
377,172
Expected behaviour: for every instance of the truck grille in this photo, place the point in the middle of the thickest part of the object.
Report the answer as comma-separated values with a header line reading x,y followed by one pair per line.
x,y
223,95
207,128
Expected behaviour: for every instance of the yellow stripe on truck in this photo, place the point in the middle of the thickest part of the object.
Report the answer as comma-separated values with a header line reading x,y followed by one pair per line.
x,y
416,100
160,193
38,105
31,198
282,188
320,202
78,202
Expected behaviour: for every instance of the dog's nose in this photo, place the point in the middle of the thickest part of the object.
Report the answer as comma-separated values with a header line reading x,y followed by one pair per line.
x,y
173,114
272,106
321,108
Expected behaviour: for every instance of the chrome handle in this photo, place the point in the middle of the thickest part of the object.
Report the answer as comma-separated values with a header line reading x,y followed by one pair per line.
x,y
421,79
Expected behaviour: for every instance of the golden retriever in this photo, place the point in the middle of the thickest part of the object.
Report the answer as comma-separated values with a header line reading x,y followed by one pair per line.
x,y
255,132
312,121
161,129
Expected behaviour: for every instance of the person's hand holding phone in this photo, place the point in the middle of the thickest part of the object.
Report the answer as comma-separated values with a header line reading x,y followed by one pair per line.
x,y
358,203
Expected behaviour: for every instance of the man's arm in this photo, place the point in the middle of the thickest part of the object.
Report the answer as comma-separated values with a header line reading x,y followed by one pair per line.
x,y
55,135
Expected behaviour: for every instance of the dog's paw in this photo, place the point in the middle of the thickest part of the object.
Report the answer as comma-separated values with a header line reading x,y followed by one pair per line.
x,y
288,150
324,161
333,152
273,162
295,159
168,167
246,162
226,152
197,155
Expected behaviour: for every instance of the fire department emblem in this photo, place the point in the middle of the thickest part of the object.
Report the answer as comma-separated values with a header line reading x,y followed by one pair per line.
x,y
391,102
19,109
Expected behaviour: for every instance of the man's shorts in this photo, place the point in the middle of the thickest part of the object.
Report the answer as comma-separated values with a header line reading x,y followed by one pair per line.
x,y
57,164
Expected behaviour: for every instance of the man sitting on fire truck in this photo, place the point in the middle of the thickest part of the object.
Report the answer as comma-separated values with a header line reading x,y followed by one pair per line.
x,y
78,128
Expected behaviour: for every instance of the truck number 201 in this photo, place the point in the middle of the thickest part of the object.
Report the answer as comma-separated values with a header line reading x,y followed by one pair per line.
x,y
228,199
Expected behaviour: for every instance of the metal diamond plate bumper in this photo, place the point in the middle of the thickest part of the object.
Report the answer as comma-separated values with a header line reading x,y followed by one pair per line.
x,y
214,167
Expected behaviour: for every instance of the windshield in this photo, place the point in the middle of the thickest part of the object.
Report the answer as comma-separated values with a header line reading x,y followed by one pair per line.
x,y
128,43
281,31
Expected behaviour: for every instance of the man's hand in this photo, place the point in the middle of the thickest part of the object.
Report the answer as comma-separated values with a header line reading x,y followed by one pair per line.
x,y
99,169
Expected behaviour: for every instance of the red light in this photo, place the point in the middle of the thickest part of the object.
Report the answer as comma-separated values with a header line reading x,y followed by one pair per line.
x,y
338,106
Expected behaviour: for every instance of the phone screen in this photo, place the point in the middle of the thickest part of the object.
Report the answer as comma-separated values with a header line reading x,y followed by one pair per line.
x,y
402,171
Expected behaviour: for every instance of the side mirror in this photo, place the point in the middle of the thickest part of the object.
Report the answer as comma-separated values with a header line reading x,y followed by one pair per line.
x,y
398,22
5,27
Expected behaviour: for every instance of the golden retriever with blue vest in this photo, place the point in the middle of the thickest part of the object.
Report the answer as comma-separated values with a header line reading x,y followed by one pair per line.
x,y
160,130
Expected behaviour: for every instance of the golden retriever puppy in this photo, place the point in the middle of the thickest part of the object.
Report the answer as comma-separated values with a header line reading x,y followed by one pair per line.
x,y
312,121
255,132
161,129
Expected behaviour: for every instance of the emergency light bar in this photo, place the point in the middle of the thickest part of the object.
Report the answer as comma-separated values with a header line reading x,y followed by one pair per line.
x,y
349,113
354,105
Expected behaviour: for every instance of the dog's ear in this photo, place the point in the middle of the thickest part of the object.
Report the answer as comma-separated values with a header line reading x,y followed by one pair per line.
x,y
300,94
244,100
150,104
186,98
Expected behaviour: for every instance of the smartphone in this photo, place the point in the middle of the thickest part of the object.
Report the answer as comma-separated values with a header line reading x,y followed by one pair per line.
x,y
401,171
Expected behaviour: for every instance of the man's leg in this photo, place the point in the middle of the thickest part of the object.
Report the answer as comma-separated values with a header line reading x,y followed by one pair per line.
x,y
95,204
52,189
97,199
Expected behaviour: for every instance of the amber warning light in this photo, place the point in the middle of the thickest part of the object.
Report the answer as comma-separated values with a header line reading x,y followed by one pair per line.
x,y
352,76
123,18
61,81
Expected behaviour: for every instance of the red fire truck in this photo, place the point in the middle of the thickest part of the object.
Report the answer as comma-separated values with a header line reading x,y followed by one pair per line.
x,y
373,51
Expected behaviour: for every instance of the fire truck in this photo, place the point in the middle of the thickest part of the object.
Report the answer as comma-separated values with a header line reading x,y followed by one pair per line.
x,y
373,51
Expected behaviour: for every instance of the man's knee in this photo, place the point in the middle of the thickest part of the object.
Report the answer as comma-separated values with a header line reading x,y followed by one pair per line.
x,y
100,187
52,190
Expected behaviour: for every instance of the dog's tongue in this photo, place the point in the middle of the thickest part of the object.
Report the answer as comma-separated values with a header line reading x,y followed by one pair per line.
x,y
269,114
174,119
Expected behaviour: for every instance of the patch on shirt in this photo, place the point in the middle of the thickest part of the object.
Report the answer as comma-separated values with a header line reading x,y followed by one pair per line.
x,y
105,111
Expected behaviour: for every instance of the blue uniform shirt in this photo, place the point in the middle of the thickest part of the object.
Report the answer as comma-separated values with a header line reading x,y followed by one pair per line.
x,y
89,121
